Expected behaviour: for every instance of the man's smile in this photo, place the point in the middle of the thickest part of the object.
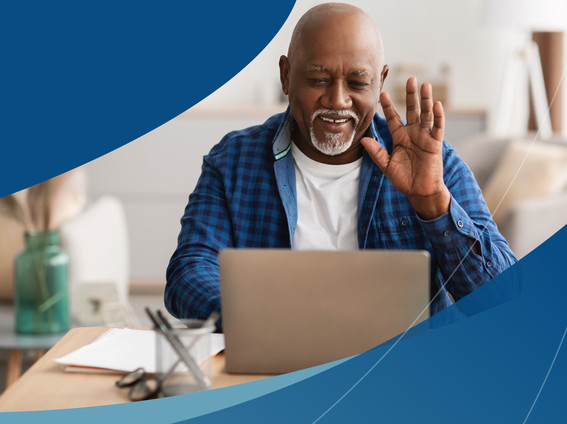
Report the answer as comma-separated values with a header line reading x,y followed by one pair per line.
x,y
335,121
334,124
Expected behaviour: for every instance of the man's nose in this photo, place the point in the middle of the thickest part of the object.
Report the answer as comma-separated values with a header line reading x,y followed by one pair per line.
x,y
337,97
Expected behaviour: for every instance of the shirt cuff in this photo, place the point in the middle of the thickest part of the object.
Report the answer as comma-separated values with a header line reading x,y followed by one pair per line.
x,y
450,229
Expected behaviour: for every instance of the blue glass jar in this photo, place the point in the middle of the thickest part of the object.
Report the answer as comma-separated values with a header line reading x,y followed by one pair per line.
x,y
41,286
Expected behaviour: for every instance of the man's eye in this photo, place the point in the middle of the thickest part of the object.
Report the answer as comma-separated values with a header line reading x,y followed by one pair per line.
x,y
318,81
358,85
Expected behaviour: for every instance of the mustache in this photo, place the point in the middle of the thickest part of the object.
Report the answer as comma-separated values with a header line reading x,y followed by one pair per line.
x,y
338,112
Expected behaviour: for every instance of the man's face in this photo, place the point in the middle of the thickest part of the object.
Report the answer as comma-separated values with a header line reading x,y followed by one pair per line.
x,y
333,82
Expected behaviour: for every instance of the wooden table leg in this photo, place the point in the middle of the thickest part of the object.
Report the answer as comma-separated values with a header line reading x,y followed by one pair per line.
x,y
38,355
14,367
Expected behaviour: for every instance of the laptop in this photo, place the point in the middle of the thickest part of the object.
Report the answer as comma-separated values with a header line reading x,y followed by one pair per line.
x,y
285,310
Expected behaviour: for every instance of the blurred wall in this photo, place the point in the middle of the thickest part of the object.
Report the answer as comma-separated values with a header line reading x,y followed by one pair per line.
x,y
416,32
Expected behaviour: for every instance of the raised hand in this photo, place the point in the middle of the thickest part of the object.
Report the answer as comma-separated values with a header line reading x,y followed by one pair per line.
x,y
415,166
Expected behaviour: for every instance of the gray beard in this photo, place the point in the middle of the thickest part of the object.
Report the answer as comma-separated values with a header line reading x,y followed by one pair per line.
x,y
332,145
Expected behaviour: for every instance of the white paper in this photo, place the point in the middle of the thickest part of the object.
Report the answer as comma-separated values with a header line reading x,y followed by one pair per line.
x,y
124,350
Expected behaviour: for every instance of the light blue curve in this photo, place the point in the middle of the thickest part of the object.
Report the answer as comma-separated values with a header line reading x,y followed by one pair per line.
x,y
168,410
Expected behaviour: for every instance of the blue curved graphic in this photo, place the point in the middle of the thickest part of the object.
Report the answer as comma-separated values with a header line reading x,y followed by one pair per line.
x,y
79,79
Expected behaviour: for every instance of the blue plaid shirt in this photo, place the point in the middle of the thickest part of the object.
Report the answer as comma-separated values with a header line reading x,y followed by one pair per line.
x,y
246,198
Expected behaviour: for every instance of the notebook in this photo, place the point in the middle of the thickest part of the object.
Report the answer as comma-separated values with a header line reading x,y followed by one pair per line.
x,y
122,350
285,310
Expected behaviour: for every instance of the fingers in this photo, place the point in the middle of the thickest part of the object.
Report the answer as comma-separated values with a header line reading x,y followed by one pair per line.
x,y
390,113
438,129
420,110
412,102
426,116
376,152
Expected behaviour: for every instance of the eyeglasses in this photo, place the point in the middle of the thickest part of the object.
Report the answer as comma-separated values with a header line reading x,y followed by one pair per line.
x,y
142,385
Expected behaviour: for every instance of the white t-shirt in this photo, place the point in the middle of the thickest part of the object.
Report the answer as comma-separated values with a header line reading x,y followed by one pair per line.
x,y
326,204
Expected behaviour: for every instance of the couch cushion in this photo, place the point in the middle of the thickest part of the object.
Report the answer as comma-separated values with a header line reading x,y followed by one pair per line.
x,y
527,170
482,154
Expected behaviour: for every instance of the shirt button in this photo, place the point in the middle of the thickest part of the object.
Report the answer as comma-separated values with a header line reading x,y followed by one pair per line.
x,y
488,264
446,233
405,222
460,223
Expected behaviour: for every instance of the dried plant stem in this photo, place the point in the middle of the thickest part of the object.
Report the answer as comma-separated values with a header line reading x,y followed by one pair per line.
x,y
47,207
41,275
14,208
38,201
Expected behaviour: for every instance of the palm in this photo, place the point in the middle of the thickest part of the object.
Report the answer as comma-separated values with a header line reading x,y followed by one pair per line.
x,y
415,166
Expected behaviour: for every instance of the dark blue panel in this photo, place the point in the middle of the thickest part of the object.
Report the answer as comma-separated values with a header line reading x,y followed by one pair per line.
x,y
81,78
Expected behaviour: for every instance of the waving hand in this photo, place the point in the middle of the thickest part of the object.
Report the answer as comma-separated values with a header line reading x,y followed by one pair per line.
x,y
415,166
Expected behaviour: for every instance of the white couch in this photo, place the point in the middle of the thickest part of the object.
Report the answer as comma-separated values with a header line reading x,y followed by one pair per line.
x,y
532,207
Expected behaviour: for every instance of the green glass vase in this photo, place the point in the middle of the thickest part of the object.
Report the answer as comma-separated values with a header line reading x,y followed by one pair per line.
x,y
41,286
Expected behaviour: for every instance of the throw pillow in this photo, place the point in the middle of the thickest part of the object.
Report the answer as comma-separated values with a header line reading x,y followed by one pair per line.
x,y
541,170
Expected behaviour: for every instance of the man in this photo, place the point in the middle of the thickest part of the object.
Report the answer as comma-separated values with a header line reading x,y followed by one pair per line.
x,y
330,173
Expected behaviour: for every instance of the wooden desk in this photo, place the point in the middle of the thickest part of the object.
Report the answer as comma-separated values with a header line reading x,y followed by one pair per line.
x,y
45,386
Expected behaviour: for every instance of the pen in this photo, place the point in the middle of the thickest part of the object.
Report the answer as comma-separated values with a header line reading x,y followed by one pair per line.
x,y
211,320
165,329
208,322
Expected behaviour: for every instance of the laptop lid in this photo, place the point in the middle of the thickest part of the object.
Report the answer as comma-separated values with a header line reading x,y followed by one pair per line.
x,y
285,310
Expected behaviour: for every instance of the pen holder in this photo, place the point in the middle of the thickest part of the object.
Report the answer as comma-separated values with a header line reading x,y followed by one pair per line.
x,y
177,376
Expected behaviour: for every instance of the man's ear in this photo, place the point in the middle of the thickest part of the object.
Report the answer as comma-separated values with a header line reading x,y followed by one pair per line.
x,y
383,75
284,73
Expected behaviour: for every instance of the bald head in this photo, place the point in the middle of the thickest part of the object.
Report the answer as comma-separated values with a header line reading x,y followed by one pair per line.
x,y
338,19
